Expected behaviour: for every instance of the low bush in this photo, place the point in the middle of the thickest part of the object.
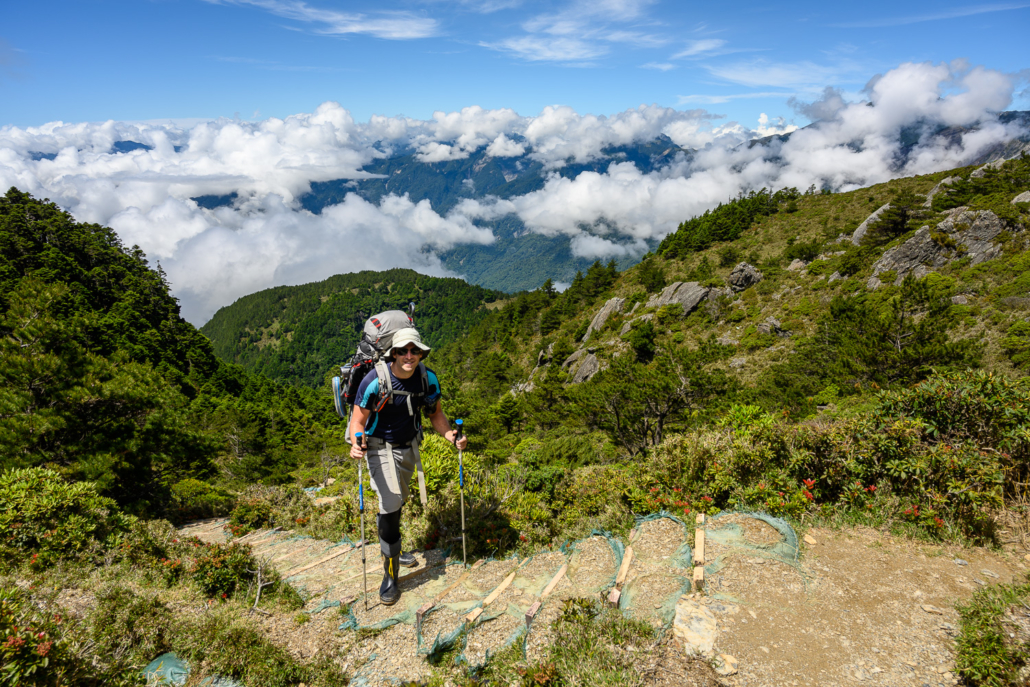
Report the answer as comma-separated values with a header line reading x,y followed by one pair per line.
x,y
33,652
193,499
993,646
249,515
44,518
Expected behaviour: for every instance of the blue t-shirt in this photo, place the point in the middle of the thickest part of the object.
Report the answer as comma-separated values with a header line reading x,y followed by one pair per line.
x,y
393,423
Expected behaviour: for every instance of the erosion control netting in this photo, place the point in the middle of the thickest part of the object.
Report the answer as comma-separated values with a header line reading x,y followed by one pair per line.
x,y
735,533
660,572
421,586
169,669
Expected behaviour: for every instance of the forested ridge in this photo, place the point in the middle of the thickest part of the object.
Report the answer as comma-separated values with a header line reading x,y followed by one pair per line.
x,y
295,334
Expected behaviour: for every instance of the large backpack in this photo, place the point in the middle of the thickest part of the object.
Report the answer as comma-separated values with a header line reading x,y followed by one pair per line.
x,y
375,344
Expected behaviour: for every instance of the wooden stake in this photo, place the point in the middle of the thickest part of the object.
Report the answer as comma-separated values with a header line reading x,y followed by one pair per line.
x,y
320,561
620,578
471,617
700,519
699,578
427,606
699,547
544,594
293,553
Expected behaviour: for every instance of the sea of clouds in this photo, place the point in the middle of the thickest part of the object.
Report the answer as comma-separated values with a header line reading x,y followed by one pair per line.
x,y
213,257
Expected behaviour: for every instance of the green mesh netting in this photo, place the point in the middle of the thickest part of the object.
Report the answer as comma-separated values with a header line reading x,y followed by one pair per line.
x,y
618,551
411,600
732,536
682,558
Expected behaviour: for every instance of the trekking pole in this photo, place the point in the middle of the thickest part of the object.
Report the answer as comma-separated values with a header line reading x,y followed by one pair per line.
x,y
461,488
360,436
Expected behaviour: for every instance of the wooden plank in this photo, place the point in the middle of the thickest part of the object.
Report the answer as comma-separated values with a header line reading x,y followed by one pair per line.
x,y
471,617
294,552
554,581
531,613
627,558
699,578
699,547
320,561
427,606
544,594
700,519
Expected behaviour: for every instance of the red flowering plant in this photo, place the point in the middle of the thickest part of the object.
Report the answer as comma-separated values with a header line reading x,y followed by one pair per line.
x,y
31,648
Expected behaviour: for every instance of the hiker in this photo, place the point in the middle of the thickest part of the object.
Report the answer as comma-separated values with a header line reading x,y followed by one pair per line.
x,y
392,438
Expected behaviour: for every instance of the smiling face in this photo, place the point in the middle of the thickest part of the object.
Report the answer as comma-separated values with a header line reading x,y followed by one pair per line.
x,y
405,360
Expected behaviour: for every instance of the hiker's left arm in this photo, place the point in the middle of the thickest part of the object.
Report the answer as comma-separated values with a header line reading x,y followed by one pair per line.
x,y
443,427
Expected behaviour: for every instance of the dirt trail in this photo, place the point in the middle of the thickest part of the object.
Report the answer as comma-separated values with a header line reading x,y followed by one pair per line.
x,y
855,606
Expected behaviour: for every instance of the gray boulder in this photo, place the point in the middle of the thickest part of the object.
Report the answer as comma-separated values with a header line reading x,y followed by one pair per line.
x,y
586,369
629,325
744,276
612,306
937,189
834,277
796,265
959,300
990,165
772,326
1023,197
688,294
972,231
571,362
856,238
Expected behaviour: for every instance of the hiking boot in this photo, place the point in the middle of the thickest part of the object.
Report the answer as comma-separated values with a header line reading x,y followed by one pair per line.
x,y
389,592
408,560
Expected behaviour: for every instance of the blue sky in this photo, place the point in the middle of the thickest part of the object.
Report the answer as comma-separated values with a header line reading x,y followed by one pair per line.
x,y
93,60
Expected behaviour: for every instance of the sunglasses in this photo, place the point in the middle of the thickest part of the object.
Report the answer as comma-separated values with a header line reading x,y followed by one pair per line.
x,y
410,350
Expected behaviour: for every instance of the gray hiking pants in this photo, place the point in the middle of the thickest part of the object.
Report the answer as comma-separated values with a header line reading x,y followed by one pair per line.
x,y
390,469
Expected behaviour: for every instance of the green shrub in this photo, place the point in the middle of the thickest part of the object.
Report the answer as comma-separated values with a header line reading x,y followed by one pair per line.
x,y
220,570
440,462
43,518
127,629
1017,344
33,653
990,649
193,499
250,515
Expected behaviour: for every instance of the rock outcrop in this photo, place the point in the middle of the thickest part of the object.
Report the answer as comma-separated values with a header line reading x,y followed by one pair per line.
x,y
990,165
629,325
612,306
744,276
964,234
937,189
796,265
1023,197
688,294
856,238
772,326
582,365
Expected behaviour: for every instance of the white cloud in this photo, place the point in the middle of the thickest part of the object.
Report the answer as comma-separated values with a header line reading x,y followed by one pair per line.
x,y
660,66
763,73
954,13
266,238
696,48
550,49
388,25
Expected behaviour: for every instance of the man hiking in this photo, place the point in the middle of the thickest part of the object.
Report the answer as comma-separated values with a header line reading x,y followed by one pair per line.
x,y
392,426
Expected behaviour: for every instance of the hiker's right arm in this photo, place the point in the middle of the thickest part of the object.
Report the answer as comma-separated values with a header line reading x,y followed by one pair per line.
x,y
358,419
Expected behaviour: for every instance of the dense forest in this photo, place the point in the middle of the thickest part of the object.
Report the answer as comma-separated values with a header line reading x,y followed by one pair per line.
x,y
295,334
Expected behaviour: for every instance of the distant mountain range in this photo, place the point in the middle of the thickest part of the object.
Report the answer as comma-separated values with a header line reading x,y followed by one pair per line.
x,y
520,259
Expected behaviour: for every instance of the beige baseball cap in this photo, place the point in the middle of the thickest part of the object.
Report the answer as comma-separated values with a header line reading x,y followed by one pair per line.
x,y
406,336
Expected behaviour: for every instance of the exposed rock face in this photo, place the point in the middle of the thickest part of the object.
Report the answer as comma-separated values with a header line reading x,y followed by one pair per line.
x,y
959,300
973,231
856,238
629,325
743,276
834,277
937,189
612,306
1023,197
688,294
796,265
587,369
695,628
990,165
772,326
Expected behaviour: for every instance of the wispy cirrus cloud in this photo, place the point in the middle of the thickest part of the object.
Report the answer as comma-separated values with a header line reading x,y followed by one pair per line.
x,y
699,48
719,99
659,66
386,25
582,31
953,13
795,75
